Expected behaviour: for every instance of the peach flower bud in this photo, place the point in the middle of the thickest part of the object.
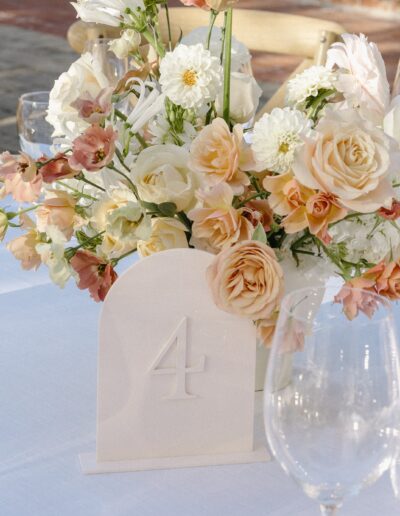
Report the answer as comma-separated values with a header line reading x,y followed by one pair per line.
x,y
216,155
56,168
195,3
94,149
58,209
24,249
217,225
391,214
94,274
247,280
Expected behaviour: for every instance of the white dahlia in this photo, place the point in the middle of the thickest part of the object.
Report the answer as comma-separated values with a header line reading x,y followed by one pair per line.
x,y
277,136
308,84
190,76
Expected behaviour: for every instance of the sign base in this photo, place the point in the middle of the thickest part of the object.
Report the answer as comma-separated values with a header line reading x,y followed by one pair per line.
x,y
90,466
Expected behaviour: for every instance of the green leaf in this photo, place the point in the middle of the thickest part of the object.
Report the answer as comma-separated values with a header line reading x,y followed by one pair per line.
x,y
151,206
259,234
167,209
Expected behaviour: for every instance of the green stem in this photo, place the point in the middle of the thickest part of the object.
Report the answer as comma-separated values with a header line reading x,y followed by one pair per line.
x,y
120,115
111,166
115,261
184,219
168,25
257,195
12,214
81,194
121,159
213,17
141,140
227,64
81,177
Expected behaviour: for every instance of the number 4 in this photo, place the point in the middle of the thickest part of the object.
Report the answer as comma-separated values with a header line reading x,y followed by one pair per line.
x,y
179,336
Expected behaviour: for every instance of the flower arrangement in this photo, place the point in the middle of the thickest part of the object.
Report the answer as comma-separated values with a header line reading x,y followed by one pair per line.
x,y
170,157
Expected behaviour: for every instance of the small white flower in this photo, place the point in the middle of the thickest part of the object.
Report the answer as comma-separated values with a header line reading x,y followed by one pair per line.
x,y
308,84
108,12
277,136
160,129
190,76
52,255
368,238
127,43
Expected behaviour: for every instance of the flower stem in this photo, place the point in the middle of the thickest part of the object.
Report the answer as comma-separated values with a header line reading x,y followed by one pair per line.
x,y
115,261
168,25
213,17
227,64
81,194
81,177
111,166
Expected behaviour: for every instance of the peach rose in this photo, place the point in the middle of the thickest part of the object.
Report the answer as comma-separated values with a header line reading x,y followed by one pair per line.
x,y
266,329
323,209
387,279
216,155
217,225
247,280
24,249
258,211
358,295
58,209
349,158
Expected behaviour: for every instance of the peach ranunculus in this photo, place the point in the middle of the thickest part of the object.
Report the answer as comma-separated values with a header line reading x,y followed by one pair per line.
x,y
58,209
349,158
216,155
94,274
94,149
54,169
217,225
358,295
166,233
24,249
21,177
247,280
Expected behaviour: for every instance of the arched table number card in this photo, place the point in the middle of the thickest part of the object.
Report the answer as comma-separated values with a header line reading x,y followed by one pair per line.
x,y
175,374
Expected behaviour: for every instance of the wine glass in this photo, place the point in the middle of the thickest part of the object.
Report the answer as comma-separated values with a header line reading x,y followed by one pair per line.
x,y
35,133
332,425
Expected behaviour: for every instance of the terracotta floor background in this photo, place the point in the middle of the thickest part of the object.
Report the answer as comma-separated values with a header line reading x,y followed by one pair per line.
x,y
55,16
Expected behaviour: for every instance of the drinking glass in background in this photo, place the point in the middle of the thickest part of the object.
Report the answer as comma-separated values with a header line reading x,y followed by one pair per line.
x,y
333,426
112,67
35,134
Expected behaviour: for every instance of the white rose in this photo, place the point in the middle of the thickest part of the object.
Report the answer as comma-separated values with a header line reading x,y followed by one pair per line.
x,y
85,76
121,217
245,97
127,43
167,233
108,12
161,174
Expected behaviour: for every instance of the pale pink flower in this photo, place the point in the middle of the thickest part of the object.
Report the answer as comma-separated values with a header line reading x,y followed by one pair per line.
x,y
247,280
357,295
216,155
94,149
21,177
58,209
362,75
56,168
195,3
94,109
217,225
24,249
94,274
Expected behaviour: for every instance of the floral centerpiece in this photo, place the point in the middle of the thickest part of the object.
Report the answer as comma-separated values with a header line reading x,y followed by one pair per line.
x,y
170,157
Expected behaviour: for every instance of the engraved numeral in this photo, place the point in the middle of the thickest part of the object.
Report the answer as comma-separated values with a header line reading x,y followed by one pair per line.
x,y
179,336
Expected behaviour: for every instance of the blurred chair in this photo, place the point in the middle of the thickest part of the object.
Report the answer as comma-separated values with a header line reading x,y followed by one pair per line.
x,y
260,31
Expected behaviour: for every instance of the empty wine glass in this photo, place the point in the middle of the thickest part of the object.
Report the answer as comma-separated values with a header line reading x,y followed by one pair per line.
x,y
112,67
35,134
332,428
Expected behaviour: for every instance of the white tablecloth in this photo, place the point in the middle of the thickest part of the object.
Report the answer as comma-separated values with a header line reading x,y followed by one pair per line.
x,y
47,417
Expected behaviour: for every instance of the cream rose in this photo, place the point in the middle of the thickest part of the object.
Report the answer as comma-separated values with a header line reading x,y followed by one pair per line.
x,y
58,209
217,225
245,98
161,174
247,280
349,158
127,43
121,217
216,154
166,233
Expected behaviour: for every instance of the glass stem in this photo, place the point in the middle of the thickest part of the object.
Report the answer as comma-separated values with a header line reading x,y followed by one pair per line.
x,y
329,510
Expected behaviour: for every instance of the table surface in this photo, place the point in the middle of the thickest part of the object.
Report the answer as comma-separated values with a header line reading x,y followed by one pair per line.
x,y
48,346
